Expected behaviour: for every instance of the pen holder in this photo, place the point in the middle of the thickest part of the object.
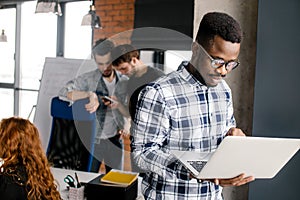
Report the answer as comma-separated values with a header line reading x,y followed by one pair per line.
x,y
76,193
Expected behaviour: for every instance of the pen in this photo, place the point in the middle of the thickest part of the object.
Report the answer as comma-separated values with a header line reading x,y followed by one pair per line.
x,y
78,183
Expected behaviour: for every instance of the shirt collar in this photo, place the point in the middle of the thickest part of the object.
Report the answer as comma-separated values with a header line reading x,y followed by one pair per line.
x,y
191,74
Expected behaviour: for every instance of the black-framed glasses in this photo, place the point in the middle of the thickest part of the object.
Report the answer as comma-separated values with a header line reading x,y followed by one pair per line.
x,y
217,62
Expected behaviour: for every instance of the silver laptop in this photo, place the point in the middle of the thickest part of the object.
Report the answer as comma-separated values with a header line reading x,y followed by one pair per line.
x,y
261,157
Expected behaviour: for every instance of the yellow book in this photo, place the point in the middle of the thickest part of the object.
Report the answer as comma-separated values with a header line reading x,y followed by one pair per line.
x,y
119,177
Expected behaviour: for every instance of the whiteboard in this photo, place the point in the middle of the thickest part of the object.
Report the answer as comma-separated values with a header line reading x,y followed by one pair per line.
x,y
56,72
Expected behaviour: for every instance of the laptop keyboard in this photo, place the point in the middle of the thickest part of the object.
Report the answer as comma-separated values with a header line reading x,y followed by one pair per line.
x,y
197,164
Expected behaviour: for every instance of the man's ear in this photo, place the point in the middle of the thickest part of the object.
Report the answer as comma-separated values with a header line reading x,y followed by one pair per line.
x,y
133,61
195,47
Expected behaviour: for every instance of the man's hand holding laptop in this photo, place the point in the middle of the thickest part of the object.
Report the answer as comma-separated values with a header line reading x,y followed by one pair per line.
x,y
235,181
235,132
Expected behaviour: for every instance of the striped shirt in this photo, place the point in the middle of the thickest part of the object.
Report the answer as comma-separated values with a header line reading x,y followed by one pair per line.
x,y
177,112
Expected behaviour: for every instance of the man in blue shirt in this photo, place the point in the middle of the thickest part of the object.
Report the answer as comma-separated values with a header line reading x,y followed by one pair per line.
x,y
189,110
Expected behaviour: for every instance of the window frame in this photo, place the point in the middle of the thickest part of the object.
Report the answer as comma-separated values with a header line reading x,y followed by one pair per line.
x,y
60,48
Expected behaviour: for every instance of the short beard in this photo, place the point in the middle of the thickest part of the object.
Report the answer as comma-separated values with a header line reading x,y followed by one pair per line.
x,y
107,75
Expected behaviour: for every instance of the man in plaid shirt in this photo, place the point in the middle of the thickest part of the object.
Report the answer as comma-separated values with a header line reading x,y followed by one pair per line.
x,y
189,110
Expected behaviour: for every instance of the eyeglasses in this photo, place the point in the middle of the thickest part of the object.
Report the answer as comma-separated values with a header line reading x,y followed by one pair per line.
x,y
217,62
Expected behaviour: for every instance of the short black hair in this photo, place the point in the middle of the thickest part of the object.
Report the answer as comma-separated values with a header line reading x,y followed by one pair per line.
x,y
124,53
221,24
103,47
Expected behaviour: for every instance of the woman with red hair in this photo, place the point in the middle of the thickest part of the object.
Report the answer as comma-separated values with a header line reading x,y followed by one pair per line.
x,y
24,168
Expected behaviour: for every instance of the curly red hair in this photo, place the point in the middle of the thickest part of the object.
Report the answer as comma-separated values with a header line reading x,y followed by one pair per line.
x,y
20,145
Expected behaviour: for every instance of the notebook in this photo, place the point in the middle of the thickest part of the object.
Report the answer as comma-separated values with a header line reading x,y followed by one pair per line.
x,y
261,157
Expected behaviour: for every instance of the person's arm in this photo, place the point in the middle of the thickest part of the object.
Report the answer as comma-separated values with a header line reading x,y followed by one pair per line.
x,y
93,103
230,121
233,131
123,109
120,95
79,89
76,95
236,181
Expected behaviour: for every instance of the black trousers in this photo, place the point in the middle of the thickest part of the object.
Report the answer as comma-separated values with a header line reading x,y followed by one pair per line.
x,y
110,151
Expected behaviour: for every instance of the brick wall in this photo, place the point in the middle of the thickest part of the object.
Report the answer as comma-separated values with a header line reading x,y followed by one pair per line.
x,y
117,18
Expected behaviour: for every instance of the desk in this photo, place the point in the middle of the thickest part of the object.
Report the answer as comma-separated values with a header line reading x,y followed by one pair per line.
x,y
84,177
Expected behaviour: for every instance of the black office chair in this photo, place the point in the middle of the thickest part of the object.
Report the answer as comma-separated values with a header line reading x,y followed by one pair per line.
x,y
73,130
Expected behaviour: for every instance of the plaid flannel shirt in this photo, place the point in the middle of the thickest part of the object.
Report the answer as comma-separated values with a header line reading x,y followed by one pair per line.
x,y
177,112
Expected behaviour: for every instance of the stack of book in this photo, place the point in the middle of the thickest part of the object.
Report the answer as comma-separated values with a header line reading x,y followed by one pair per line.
x,y
116,184
119,177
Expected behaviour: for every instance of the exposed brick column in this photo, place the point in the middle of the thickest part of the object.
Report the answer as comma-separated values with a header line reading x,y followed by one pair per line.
x,y
116,17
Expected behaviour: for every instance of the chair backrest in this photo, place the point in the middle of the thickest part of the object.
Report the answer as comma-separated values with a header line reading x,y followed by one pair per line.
x,y
71,140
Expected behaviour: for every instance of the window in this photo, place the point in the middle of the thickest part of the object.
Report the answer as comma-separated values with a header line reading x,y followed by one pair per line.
x,y
78,39
7,63
23,56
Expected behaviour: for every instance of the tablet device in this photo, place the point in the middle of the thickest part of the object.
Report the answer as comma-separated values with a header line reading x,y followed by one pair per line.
x,y
260,157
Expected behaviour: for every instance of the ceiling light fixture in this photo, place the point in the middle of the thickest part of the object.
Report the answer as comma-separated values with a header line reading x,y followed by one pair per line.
x,y
3,37
92,19
48,6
